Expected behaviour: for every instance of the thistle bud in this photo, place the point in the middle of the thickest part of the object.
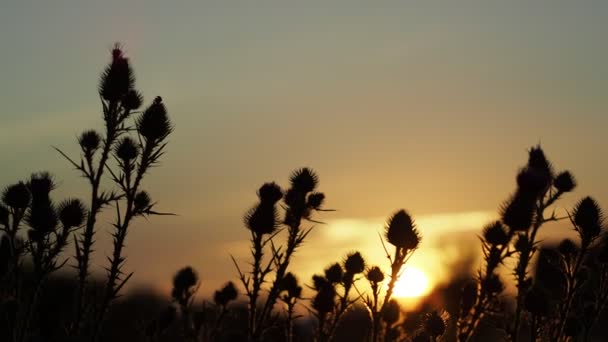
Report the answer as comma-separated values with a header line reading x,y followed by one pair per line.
x,y
518,212
132,100
323,301
141,202
262,219
40,185
537,160
16,196
564,182
126,150
434,325
89,141
495,234
588,218
270,193
319,282
227,294
532,181
315,200
290,284
390,312
183,283
401,231
304,180
354,263
154,124
71,213
117,79
375,275
334,273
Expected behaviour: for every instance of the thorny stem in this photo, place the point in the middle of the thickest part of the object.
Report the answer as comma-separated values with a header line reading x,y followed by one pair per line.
x,y
257,279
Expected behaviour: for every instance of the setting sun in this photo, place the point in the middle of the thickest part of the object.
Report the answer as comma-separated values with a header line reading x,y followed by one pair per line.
x,y
413,283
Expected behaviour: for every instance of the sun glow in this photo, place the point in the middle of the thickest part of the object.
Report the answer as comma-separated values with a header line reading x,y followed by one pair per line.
x,y
413,283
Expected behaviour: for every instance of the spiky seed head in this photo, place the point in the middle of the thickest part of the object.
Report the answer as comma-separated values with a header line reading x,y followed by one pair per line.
x,y
315,200
494,285
183,282
334,273
118,78
495,234
4,215
126,150
533,181
89,141
401,231
296,200
71,213
133,100
564,182
319,281
154,123
304,180
537,160
270,193
41,184
469,296
434,324
141,202
518,212
567,248
375,275
16,196
390,312
536,302
291,286
323,301
226,294
262,219
354,263
588,218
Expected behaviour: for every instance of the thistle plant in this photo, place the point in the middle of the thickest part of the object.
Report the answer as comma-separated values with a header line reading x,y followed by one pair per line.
x,y
136,148
300,201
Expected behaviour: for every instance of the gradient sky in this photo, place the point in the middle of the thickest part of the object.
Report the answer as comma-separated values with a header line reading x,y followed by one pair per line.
x,y
424,105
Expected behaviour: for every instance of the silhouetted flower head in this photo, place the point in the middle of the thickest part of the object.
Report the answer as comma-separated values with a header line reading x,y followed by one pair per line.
x,y
334,273
588,218
567,248
401,231
126,149
225,295
495,234
304,180
537,160
390,312
518,211
532,182
354,263
262,219
16,196
141,202
536,302
154,124
319,282
434,324
132,100
323,301
469,296
117,79
41,184
315,200
71,213
564,182
375,275
270,193
183,282
4,214
494,285
290,284
89,141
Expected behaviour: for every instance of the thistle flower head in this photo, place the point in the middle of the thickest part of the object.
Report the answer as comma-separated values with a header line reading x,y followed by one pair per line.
x,y
375,275
537,160
291,286
89,141
518,212
40,185
434,324
16,196
354,263
183,284
323,302
71,213
315,200
270,193
126,150
532,181
564,182
42,216
588,218
262,219
154,123
334,273
118,78
390,312
141,202
225,295
132,100
495,234
401,231
304,180
319,281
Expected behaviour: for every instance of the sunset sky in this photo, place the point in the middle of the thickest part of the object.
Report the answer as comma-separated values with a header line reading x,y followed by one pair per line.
x,y
424,105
